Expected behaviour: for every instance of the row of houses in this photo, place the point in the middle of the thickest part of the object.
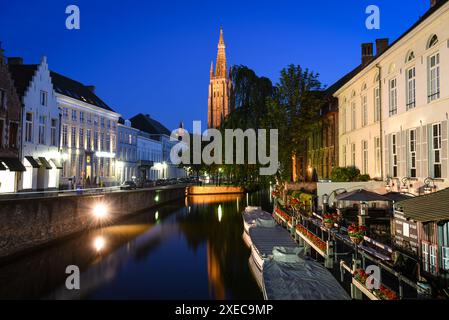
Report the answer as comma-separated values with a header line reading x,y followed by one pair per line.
x,y
55,132
389,116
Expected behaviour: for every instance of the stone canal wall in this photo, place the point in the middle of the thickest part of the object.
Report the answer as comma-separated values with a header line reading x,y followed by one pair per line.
x,y
28,223
208,190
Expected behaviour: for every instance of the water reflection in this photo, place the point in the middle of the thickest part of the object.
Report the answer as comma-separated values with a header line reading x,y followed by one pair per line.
x,y
179,251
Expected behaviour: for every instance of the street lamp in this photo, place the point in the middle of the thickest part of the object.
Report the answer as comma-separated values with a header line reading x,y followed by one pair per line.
x,y
325,202
405,188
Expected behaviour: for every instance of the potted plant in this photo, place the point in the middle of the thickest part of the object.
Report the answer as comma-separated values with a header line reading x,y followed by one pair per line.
x,y
329,221
357,233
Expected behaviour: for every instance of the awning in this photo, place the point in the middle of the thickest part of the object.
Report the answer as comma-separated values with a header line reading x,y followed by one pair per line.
x,y
13,164
33,162
57,163
433,207
45,163
361,195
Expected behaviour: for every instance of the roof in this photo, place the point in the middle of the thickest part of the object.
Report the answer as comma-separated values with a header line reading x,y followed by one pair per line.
x,y
433,207
76,90
146,124
22,75
361,67
361,195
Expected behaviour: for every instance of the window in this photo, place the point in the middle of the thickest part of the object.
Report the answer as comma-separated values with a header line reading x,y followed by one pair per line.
x,y
89,118
130,139
434,77
394,155
445,257
433,259
343,119
425,256
345,164
353,116
44,96
81,138
3,99
406,230
393,97
353,155
96,120
108,142
411,88
365,157
377,104
73,137
109,124
102,142
410,57
42,121
13,134
378,154
102,122
81,116
412,156
74,115
66,113
436,150
29,127
89,139
114,143
96,141
433,41
53,135
364,111
64,136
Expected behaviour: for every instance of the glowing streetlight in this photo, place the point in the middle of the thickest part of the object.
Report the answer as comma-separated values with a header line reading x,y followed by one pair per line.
x,y
100,211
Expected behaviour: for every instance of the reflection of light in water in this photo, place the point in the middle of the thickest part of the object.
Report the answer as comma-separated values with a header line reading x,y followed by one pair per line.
x,y
156,215
190,209
99,243
247,199
220,213
238,204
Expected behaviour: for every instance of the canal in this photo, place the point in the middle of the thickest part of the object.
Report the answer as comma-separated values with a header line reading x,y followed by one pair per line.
x,y
191,249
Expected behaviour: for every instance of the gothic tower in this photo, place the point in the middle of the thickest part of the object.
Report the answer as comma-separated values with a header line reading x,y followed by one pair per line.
x,y
219,88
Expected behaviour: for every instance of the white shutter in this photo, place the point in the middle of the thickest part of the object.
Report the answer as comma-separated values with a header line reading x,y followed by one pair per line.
x,y
419,173
425,152
406,138
444,146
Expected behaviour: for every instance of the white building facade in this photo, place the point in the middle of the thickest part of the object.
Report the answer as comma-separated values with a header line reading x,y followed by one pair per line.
x,y
40,126
88,135
127,151
394,112
150,161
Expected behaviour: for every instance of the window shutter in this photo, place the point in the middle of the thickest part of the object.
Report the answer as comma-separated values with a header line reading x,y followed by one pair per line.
x,y
425,152
399,152
406,141
444,146
387,155
419,143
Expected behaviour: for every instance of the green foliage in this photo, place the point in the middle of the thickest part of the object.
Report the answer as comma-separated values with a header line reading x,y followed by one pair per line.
x,y
348,174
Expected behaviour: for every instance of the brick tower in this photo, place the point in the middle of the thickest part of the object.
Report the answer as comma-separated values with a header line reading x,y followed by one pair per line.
x,y
219,88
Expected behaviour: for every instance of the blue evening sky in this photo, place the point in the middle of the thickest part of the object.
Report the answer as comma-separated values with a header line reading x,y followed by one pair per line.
x,y
153,56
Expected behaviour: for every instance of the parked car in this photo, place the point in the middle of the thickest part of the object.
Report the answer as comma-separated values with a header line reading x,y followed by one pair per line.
x,y
128,185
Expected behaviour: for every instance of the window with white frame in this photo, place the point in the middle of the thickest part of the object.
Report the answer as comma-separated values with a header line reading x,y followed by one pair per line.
x,y
394,153
81,116
42,121
445,257
81,138
353,155
378,154
53,132
412,153
96,140
353,116
425,256
406,229
65,113
64,135
102,147
436,150
377,104
393,97
74,115
89,139
365,156
29,127
433,258
411,88
364,111
433,77
73,137
102,122
44,97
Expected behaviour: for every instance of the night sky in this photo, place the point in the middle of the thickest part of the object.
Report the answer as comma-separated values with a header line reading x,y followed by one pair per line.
x,y
154,56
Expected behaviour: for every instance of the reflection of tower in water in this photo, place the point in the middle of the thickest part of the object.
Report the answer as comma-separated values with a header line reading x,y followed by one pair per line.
x,y
216,283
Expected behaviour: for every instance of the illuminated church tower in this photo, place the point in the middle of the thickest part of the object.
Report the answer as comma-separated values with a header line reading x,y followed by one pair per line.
x,y
219,88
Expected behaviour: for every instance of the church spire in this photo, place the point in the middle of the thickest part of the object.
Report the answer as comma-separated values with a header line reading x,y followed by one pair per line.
x,y
211,69
221,68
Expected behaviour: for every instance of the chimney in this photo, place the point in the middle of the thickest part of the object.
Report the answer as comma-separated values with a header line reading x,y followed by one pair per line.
x,y
91,88
433,3
382,45
367,53
14,61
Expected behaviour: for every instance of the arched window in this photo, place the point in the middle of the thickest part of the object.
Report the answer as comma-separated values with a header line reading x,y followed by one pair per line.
x,y
364,87
353,94
410,56
432,41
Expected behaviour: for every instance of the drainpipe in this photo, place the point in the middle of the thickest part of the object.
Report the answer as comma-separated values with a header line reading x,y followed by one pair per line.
x,y
381,124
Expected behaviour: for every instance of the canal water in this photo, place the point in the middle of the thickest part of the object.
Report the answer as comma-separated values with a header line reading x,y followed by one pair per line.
x,y
191,249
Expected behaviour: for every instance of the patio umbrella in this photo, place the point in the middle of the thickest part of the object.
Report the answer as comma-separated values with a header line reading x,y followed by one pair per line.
x,y
361,196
